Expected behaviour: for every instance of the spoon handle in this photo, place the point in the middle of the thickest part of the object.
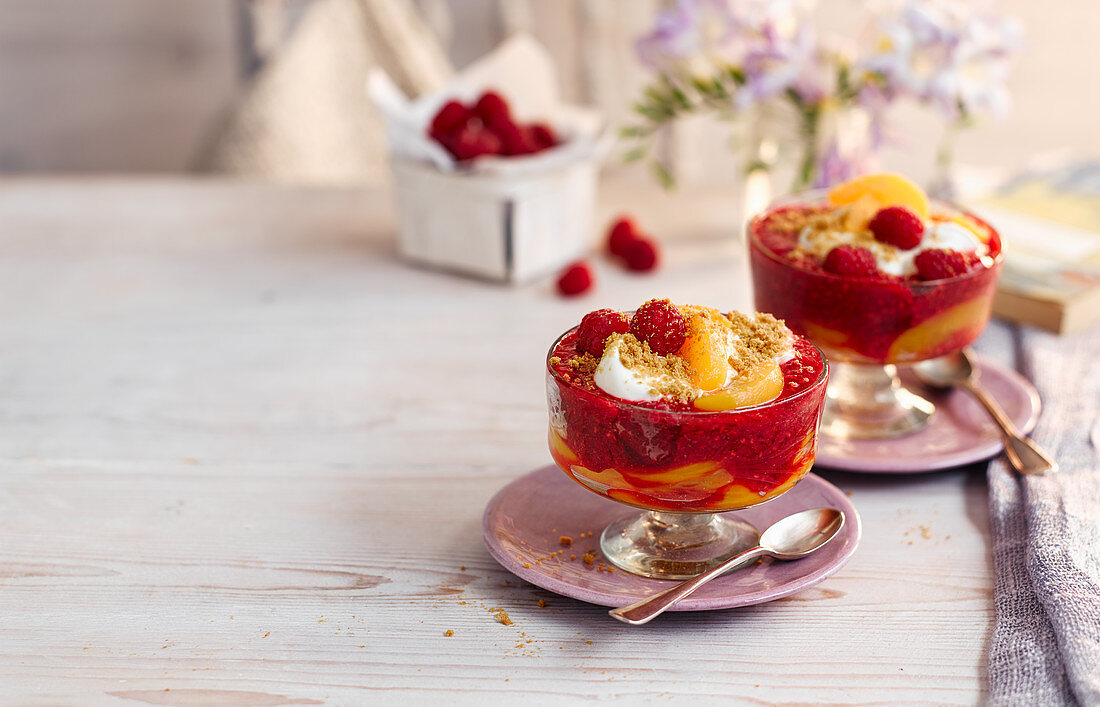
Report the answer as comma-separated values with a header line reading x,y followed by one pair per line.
x,y
1023,454
645,610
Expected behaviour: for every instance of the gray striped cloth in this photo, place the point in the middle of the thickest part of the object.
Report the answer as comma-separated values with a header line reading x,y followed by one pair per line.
x,y
1045,648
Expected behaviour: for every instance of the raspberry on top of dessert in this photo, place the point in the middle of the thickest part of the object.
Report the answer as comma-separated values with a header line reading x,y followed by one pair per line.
x,y
686,357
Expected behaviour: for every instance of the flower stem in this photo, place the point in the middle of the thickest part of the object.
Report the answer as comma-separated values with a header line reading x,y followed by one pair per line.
x,y
943,183
808,165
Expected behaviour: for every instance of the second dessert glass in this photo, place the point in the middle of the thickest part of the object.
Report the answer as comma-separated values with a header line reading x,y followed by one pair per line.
x,y
869,327
683,468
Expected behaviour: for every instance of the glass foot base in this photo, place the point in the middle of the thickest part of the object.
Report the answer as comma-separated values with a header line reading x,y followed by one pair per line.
x,y
869,402
675,545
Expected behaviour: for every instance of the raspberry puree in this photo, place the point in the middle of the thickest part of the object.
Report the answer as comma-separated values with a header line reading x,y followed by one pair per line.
x,y
667,455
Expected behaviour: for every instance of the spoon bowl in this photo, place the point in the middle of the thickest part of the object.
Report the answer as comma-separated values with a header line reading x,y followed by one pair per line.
x,y
801,533
789,538
946,371
957,370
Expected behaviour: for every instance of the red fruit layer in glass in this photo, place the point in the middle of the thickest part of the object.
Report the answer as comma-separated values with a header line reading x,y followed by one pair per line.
x,y
884,319
669,456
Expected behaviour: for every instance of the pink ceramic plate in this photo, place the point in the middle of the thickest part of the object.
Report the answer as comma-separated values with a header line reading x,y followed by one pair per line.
x,y
524,522
959,433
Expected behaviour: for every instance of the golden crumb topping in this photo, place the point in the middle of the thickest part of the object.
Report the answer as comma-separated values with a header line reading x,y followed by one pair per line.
x,y
670,375
760,338
584,365
793,220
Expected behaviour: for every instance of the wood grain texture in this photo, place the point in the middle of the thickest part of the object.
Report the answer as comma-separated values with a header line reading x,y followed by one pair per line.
x,y
245,452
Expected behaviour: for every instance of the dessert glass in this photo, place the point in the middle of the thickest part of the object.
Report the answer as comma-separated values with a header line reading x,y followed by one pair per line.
x,y
684,468
867,327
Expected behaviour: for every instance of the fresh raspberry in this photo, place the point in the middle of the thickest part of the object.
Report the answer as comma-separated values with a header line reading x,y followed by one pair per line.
x,y
898,226
643,255
452,116
622,235
493,109
940,264
660,324
544,135
531,145
575,279
596,327
850,261
517,140
470,142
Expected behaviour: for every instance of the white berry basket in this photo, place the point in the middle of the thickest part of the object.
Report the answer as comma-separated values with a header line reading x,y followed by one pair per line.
x,y
509,219
512,226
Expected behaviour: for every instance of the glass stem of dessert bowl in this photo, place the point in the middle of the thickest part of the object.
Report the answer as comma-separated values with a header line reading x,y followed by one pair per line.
x,y
667,545
868,401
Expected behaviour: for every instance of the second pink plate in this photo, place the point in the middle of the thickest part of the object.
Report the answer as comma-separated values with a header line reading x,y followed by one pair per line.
x,y
960,432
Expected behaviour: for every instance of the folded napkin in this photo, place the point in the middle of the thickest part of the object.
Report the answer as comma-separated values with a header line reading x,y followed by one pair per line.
x,y
1045,648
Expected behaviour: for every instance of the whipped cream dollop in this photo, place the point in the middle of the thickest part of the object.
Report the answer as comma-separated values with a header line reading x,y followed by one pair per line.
x,y
891,259
613,377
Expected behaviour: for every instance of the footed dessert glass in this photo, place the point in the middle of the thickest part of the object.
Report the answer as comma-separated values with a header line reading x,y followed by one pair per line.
x,y
684,468
869,327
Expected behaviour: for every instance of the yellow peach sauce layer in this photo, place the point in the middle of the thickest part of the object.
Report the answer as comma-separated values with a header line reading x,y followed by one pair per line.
x,y
702,486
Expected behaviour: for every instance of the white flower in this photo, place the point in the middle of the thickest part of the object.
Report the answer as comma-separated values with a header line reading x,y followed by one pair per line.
x,y
954,55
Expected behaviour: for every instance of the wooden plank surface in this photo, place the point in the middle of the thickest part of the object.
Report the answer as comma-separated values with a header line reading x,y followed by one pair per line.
x,y
245,452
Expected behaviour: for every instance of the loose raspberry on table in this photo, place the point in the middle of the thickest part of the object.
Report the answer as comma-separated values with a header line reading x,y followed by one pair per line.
x,y
660,324
448,119
576,279
940,264
470,142
642,255
493,109
597,326
850,261
898,226
621,236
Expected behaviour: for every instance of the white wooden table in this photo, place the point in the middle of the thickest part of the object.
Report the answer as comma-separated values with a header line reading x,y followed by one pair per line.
x,y
244,454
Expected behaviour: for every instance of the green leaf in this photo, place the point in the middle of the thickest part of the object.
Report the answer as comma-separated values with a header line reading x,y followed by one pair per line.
x,y
664,177
681,98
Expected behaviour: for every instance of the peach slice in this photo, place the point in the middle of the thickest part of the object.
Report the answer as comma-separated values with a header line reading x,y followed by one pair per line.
x,y
761,385
912,344
887,189
676,475
704,350
559,447
599,481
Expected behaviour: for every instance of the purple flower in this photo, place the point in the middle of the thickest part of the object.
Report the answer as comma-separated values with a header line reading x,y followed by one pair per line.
x,y
776,63
693,30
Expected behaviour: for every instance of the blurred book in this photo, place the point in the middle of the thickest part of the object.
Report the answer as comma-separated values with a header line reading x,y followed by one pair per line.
x,y
1049,222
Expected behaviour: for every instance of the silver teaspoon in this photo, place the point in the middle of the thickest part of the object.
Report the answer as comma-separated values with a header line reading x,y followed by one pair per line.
x,y
789,538
957,370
